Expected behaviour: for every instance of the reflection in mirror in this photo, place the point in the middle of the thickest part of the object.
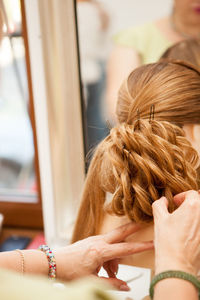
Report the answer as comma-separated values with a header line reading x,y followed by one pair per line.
x,y
119,37
98,24
93,53
17,176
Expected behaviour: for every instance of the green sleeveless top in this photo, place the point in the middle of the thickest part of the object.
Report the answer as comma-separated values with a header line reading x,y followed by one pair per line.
x,y
146,39
15,286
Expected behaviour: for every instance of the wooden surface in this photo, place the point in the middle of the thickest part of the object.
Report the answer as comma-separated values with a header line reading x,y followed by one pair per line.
x,y
8,231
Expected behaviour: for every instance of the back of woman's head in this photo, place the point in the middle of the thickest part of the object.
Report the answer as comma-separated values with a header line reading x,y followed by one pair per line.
x,y
137,164
142,162
172,87
187,50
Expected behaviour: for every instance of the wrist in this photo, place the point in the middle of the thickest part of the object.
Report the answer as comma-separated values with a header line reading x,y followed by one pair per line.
x,y
40,265
51,260
65,266
182,283
170,263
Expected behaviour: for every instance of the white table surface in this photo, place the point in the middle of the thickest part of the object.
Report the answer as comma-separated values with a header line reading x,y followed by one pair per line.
x,y
138,279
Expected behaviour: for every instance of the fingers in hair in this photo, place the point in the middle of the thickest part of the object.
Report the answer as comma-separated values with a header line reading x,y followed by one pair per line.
x,y
180,198
160,207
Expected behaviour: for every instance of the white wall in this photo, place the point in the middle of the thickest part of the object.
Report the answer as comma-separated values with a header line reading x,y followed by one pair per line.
x,y
125,13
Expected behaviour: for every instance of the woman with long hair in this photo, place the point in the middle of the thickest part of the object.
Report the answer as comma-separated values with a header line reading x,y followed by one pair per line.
x,y
153,152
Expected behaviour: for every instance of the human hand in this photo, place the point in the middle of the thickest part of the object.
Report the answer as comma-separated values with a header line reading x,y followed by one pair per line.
x,y
177,235
87,256
180,198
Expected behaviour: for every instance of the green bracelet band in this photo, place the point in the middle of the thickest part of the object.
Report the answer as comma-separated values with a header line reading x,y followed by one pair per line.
x,y
174,274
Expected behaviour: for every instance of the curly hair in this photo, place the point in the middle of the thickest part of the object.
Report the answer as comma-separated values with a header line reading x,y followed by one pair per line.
x,y
137,163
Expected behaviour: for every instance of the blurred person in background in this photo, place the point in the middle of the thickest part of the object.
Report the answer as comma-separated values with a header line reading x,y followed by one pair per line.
x,y
93,23
146,43
187,50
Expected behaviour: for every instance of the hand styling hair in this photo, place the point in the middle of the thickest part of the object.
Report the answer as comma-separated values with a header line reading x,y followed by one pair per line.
x,y
140,161
137,163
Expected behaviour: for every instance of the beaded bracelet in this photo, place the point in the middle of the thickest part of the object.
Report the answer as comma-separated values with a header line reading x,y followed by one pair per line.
x,y
51,260
174,274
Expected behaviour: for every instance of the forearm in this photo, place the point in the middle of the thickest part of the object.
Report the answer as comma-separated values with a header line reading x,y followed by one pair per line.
x,y
177,248
174,288
35,261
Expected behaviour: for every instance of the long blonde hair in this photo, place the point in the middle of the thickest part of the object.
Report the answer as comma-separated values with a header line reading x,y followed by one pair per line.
x,y
141,160
172,87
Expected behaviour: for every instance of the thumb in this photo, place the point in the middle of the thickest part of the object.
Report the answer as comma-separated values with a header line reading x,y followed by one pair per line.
x,y
181,197
160,208
116,283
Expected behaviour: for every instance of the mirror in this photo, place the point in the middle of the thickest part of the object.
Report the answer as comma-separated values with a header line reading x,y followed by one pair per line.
x,y
98,24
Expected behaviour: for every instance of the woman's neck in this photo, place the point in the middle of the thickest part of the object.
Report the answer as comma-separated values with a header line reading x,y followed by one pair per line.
x,y
143,259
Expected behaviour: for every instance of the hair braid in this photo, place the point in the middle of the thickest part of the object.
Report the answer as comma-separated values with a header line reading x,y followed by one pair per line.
x,y
137,163
148,162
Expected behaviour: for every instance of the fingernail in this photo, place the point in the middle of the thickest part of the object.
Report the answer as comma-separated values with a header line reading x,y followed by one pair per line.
x,y
114,269
124,288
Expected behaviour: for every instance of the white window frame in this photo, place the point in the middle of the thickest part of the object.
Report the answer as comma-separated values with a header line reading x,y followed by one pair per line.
x,y
59,199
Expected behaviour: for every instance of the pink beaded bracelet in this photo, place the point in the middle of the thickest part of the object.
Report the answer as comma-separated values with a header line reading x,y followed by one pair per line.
x,y
51,260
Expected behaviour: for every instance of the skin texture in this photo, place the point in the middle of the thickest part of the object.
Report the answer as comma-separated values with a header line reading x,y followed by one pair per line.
x,y
103,250
186,220
143,260
181,228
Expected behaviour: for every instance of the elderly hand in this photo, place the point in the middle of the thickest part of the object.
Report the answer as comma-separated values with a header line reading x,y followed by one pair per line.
x,y
180,198
177,235
87,256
